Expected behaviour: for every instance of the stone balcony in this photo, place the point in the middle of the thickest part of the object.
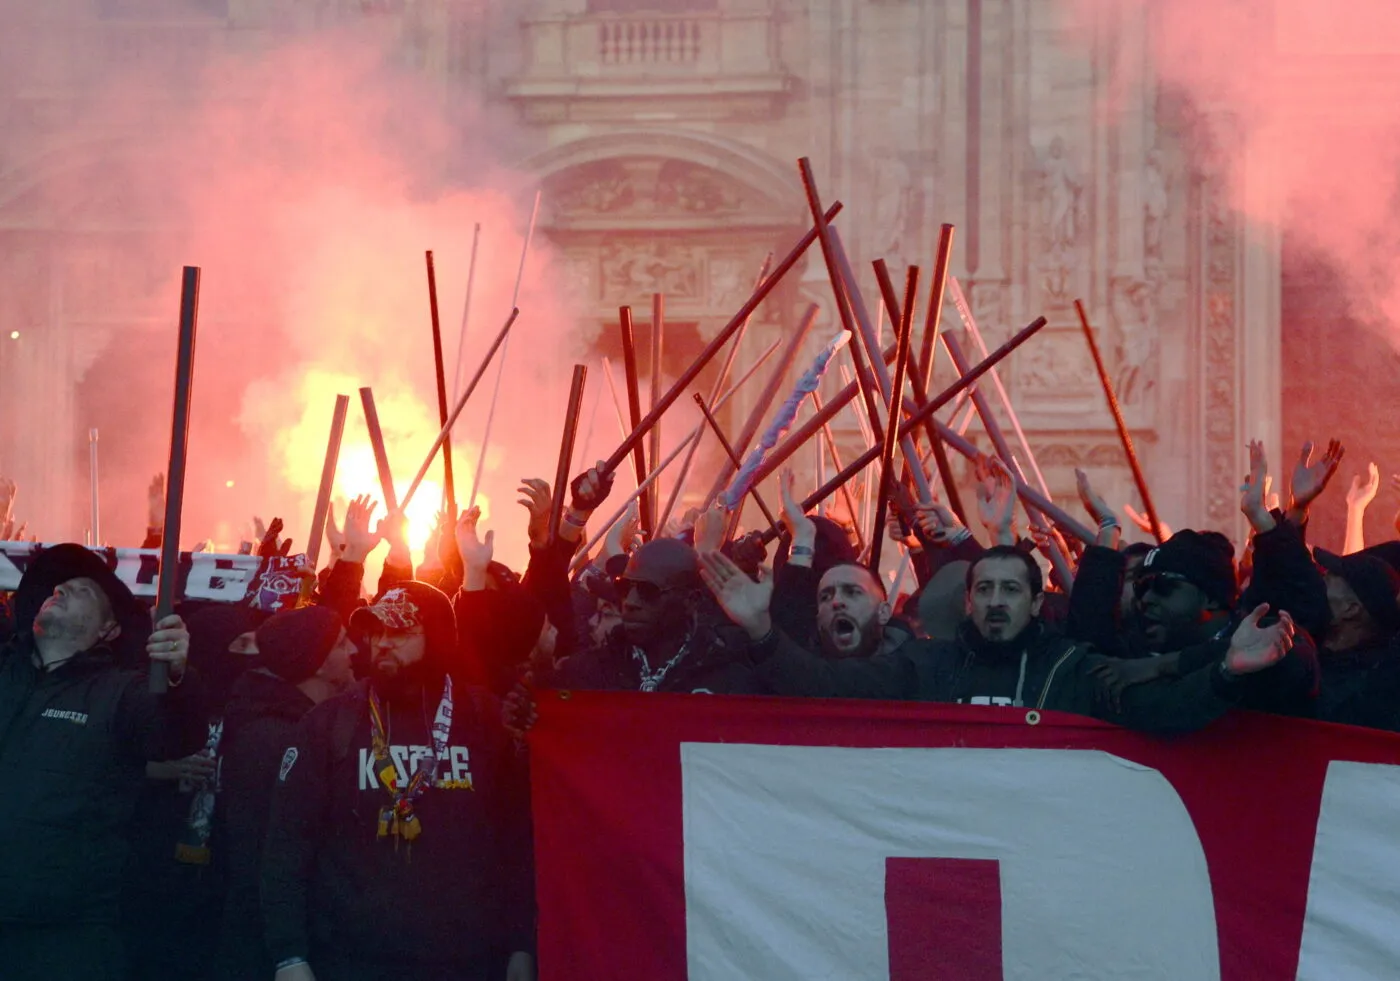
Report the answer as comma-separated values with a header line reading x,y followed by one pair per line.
x,y
646,67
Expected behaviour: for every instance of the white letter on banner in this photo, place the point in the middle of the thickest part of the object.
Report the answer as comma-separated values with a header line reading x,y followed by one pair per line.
x,y
1352,928
1102,874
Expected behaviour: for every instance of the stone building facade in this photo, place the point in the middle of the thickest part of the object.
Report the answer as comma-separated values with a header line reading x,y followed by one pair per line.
x,y
666,145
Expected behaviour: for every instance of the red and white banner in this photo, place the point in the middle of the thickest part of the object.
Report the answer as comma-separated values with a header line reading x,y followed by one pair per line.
x,y
688,838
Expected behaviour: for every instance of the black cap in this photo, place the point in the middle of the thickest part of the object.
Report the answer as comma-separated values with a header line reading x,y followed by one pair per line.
x,y
411,604
1387,552
664,562
1204,559
1375,583
294,644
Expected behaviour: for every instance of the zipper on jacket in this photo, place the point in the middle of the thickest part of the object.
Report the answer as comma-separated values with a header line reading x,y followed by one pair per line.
x,y
1045,692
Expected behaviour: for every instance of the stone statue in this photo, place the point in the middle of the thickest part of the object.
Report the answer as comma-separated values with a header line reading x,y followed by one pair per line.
x,y
893,187
1133,304
1062,210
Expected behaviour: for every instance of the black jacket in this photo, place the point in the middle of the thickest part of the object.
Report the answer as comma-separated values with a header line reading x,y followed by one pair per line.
x,y
718,662
74,743
461,894
1362,687
1057,677
1284,577
259,724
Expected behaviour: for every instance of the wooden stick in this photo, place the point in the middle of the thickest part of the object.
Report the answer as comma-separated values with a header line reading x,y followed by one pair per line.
x,y
159,678
1003,450
461,404
901,367
733,457
771,394
841,290
658,329
974,334
715,390
881,370
501,367
381,452
328,469
916,381
1124,436
634,408
830,440
718,341
449,490
933,317
776,458
694,434
566,450
466,315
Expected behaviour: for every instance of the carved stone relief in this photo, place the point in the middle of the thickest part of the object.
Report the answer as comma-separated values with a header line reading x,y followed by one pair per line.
x,y
632,269
1063,220
1218,357
1134,354
646,188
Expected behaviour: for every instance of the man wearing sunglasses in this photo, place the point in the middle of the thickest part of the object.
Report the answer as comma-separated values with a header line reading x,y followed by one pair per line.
x,y
670,637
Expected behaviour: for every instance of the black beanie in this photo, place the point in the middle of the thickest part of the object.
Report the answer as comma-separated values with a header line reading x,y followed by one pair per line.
x,y
294,644
1205,559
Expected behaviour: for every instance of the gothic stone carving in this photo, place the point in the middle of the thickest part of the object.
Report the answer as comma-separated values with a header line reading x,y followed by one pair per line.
x,y
1064,218
646,189
1222,440
640,268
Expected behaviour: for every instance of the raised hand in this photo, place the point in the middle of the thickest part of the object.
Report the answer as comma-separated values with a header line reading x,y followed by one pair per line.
x,y
939,524
357,539
744,600
590,489
800,527
996,498
1311,479
1254,648
9,490
623,533
270,542
155,504
710,528
335,538
1254,489
1096,506
1363,492
476,552
537,500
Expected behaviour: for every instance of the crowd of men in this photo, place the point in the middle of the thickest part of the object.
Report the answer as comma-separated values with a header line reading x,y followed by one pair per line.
x,y
340,790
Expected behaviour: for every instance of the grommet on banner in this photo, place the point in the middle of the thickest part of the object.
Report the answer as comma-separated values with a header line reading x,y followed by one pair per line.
x,y
564,696
1032,718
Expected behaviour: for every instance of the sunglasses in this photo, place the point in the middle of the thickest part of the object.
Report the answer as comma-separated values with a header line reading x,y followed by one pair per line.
x,y
649,592
1161,583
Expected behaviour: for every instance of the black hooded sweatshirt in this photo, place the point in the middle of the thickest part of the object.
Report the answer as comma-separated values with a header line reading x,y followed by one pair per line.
x,y
460,896
259,724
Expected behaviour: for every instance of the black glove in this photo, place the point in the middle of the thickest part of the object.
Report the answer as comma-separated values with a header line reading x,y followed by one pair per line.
x,y
602,484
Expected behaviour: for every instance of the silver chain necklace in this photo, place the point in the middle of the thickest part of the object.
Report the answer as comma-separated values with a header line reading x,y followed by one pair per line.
x,y
651,680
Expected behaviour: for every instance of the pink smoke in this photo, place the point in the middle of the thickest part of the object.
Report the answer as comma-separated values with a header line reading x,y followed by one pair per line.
x,y
306,175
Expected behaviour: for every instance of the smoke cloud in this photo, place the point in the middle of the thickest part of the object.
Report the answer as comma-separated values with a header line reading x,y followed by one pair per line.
x,y
305,169
1303,96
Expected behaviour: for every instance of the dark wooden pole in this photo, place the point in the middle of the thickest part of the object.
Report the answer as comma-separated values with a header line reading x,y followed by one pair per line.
x,y
566,450
328,469
779,454
658,335
1124,436
733,457
901,367
381,453
634,408
449,490
679,386
917,382
159,678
